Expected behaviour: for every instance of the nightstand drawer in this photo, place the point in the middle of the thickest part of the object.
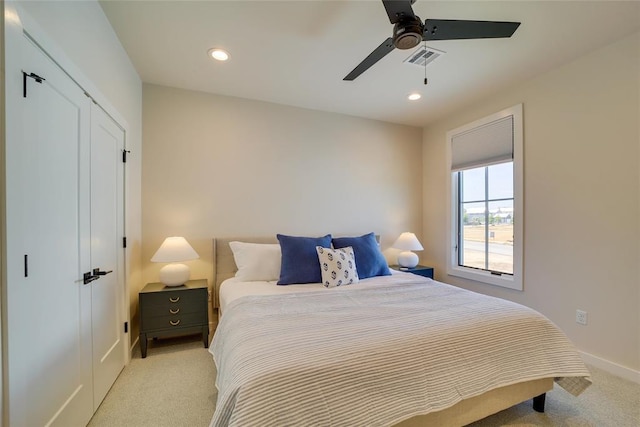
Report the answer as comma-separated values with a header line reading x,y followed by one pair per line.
x,y
179,308
174,298
174,321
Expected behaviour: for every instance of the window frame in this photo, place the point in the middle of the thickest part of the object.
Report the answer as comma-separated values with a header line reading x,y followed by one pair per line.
x,y
514,281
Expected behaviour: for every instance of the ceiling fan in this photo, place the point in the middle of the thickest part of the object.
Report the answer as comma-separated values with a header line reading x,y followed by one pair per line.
x,y
409,31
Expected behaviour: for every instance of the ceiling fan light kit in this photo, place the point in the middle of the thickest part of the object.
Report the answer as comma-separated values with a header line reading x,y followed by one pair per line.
x,y
409,31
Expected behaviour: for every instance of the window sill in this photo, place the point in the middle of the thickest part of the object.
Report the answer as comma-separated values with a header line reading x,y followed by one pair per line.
x,y
504,281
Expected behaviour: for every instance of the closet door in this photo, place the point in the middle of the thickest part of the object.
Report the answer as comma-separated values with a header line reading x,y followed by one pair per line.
x,y
107,143
48,306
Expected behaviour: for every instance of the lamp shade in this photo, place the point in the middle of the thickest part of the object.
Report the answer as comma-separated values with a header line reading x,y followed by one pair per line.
x,y
407,242
174,249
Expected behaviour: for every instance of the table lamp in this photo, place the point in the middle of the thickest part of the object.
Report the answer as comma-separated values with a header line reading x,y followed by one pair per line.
x,y
174,250
407,242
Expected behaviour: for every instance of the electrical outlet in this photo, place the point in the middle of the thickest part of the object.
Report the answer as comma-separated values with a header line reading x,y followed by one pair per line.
x,y
581,317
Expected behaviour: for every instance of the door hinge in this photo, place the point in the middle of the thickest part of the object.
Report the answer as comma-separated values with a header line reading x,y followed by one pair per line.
x,y
124,242
126,327
124,155
33,76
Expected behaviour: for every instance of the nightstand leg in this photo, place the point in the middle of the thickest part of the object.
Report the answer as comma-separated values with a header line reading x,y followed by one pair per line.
x,y
205,336
143,345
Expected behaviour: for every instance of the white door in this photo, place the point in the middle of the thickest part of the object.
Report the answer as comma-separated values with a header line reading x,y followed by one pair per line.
x,y
107,145
49,307
65,210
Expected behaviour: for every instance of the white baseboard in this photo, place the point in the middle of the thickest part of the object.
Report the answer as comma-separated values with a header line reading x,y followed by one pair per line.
x,y
611,367
133,345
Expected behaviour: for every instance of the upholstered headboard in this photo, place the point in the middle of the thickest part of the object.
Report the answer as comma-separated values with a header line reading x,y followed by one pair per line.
x,y
224,266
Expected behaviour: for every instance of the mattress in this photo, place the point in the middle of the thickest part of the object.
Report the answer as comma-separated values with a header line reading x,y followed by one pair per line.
x,y
375,353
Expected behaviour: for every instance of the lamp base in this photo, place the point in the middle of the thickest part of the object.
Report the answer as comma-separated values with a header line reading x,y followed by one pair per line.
x,y
174,274
407,259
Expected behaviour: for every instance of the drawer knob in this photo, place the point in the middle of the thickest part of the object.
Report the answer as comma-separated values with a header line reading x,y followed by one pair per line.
x,y
176,323
176,299
172,311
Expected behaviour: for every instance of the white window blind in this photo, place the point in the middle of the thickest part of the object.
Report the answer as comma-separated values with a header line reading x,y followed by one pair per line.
x,y
484,145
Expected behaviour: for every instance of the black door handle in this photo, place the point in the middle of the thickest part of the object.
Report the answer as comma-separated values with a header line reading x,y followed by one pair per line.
x,y
97,272
88,278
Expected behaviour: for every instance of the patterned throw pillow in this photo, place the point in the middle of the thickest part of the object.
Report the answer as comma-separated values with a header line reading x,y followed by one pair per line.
x,y
338,266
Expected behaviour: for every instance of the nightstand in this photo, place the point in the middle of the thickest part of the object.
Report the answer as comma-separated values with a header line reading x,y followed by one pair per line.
x,y
420,270
174,310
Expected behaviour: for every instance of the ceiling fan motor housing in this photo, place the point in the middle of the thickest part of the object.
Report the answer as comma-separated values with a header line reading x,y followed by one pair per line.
x,y
407,34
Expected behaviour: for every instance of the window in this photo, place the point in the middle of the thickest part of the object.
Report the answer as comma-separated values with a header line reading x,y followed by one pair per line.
x,y
485,215
485,176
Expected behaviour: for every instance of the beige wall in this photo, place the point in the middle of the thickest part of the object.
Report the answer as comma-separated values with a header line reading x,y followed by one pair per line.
x,y
582,196
227,167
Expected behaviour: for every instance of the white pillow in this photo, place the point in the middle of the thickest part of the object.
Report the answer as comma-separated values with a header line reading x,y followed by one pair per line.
x,y
338,266
257,261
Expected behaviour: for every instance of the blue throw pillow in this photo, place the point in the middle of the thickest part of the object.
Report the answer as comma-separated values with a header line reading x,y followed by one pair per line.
x,y
369,259
300,260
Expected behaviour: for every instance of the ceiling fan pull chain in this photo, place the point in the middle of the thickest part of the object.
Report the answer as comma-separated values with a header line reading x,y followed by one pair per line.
x,y
425,66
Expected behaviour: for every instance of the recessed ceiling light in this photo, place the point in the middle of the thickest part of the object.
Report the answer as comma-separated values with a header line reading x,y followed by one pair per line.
x,y
414,96
219,54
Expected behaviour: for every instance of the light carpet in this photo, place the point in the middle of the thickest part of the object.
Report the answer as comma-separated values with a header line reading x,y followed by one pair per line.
x,y
174,386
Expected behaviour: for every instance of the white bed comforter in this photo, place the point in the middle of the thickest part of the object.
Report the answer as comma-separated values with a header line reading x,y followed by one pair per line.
x,y
376,355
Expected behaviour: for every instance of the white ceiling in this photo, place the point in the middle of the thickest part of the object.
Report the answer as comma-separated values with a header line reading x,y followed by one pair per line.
x,y
297,52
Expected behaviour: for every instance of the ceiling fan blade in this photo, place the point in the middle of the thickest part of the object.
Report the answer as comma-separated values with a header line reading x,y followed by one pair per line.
x,y
375,56
452,29
398,9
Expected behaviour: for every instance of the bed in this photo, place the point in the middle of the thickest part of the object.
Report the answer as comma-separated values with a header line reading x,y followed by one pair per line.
x,y
398,350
